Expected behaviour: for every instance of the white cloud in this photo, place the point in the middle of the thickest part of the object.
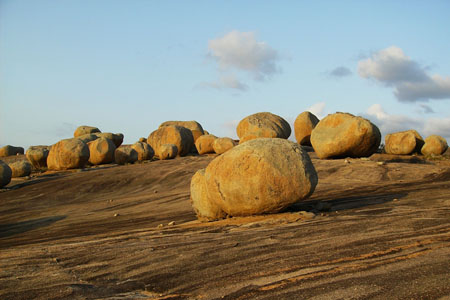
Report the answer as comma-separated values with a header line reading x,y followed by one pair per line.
x,y
410,80
317,109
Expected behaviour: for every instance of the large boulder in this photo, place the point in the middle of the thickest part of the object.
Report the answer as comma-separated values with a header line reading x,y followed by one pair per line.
x,y
144,151
264,175
179,136
193,126
263,124
87,138
204,208
82,130
101,151
403,142
303,126
117,138
9,150
167,151
434,145
20,168
204,144
5,174
37,156
345,135
68,154
222,145
125,155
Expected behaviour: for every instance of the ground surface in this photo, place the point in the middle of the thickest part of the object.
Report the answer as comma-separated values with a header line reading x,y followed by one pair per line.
x,y
94,234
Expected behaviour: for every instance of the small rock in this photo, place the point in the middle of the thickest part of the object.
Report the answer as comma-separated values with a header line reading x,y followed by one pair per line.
x,y
307,214
171,223
395,199
160,226
116,215
381,163
156,191
346,161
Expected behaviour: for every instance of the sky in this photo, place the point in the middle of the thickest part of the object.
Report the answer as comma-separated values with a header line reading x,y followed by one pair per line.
x,y
127,66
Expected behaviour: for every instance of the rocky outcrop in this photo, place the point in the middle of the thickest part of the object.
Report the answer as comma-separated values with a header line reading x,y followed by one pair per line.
x,y
204,144
68,154
101,151
125,155
82,130
9,150
20,168
179,136
263,124
303,126
167,151
193,126
37,156
434,145
144,151
403,142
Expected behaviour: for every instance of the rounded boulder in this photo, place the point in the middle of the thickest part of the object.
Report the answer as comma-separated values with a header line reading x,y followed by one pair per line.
x,y
101,151
125,155
193,126
434,145
179,136
403,142
116,138
204,144
20,168
5,174
167,151
263,125
222,145
82,130
345,135
37,156
68,154
9,150
303,126
144,151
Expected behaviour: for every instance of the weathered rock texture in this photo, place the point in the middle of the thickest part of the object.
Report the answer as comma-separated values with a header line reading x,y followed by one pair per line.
x,y
5,174
87,138
125,155
222,145
204,144
117,138
179,136
303,126
68,154
144,151
82,130
434,145
263,124
264,175
167,151
403,142
20,168
193,126
9,150
37,156
345,135
101,151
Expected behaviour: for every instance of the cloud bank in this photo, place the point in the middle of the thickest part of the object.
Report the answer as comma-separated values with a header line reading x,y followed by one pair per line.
x,y
410,81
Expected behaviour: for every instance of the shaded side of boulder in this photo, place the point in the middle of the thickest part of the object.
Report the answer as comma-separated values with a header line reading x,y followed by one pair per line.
x,y
345,135
68,154
144,151
9,150
5,174
263,124
167,151
434,145
179,136
125,155
303,126
193,126
84,129
222,145
117,138
37,156
264,175
403,142
87,138
101,151
204,144
204,208
20,168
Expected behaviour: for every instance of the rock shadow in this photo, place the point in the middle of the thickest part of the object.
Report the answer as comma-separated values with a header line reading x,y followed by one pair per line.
x,y
7,230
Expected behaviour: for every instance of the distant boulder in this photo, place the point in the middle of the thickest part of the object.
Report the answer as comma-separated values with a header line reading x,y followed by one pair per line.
x,y
87,138
222,145
68,154
434,145
144,151
193,126
20,168
9,150
117,138
5,174
37,156
82,130
101,151
345,135
125,155
143,140
263,125
303,126
204,144
167,151
179,136
403,142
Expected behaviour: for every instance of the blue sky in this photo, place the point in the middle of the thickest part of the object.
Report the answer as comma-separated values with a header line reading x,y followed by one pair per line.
x,y
127,66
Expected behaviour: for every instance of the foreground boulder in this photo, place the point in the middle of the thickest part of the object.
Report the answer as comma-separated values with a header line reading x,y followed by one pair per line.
x,y
117,138
9,150
204,144
193,126
222,145
434,145
263,124
37,156
179,136
144,151
68,154
101,151
82,130
303,126
345,135
403,142
5,174
125,155
167,151
264,175
20,168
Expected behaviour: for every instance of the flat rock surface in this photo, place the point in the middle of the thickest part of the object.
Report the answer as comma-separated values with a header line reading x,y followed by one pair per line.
x,y
104,233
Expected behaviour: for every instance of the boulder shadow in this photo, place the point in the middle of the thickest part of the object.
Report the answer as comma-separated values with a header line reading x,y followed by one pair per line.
x,y
7,230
